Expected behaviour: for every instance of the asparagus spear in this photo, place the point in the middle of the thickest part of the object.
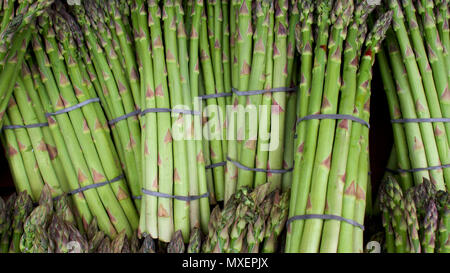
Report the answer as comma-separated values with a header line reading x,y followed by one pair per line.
x,y
302,173
262,153
413,224
213,124
188,133
195,241
291,97
430,225
201,153
148,245
278,114
176,245
165,149
256,82
22,208
181,172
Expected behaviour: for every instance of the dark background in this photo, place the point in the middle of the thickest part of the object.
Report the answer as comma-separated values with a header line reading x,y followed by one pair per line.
x,y
380,140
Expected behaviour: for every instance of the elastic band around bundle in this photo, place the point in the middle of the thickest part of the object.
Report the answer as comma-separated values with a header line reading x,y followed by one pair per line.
x,y
420,120
324,217
334,116
168,110
423,169
240,166
93,186
116,120
259,92
71,108
36,125
214,96
177,197
216,165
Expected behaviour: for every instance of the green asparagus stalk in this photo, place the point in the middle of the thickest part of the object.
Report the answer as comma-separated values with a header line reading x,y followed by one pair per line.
x,y
301,178
276,222
262,153
181,172
188,134
413,224
216,45
418,92
279,98
200,152
256,82
148,213
165,159
22,208
430,225
291,97
213,124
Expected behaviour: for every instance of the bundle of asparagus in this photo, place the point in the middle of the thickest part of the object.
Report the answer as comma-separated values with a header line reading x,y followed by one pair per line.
x,y
415,220
331,161
75,153
174,179
262,43
250,222
106,51
415,72
51,228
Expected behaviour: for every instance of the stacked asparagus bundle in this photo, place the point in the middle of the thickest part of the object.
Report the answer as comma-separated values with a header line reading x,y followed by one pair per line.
x,y
106,51
250,222
416,220
262,43
173,179
331,161
59,90
415,72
